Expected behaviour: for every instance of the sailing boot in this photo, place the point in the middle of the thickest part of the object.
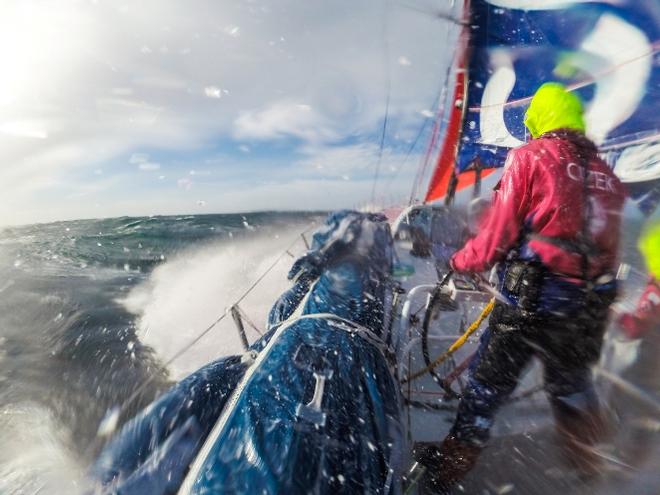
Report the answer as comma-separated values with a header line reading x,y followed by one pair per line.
x,y
447,465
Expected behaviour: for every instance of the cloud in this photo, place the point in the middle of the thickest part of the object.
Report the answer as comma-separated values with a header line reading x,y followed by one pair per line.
x,y
23,128
143,162
138,158
86,84
185,183
350,161
284,119
213,92
233,31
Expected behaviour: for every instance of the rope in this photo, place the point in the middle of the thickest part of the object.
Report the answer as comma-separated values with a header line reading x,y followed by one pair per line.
x,y
441,95
455,346
425,160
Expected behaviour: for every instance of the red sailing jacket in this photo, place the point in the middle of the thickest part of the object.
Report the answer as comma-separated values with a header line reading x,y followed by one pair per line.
x,y
540,196
647,314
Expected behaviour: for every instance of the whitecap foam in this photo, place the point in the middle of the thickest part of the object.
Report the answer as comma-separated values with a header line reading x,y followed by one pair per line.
x,y
35,457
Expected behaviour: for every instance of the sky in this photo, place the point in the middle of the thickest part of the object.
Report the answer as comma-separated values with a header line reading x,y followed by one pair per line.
x,y
111,108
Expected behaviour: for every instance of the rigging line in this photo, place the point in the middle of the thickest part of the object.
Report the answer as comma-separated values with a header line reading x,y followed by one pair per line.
x,y
424,163
194,341
442,103
388,86
414,144
436,101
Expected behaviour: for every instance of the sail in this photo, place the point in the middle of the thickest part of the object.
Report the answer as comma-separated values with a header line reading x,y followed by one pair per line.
x,y
605,51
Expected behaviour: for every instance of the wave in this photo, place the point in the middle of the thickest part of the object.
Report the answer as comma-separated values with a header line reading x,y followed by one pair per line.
x,y
36,456
184,295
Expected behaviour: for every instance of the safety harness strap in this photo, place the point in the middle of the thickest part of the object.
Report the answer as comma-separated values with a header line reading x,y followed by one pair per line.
x,y
577,246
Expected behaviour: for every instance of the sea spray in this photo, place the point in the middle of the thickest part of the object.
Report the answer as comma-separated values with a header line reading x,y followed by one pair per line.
x,y
37,455
70,353
186,294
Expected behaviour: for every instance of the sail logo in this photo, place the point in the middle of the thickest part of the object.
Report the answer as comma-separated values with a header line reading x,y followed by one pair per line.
x,y
595,180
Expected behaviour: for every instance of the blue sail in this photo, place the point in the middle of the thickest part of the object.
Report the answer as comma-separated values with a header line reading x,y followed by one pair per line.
x,y
605,51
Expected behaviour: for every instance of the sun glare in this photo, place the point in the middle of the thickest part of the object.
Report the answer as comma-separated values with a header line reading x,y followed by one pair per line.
x,y
37,39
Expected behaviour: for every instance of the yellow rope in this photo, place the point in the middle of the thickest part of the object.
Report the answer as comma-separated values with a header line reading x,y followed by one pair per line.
x,y
456,345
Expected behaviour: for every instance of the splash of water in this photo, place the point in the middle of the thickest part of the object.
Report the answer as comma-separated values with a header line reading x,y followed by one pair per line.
x,y
35,455
188,292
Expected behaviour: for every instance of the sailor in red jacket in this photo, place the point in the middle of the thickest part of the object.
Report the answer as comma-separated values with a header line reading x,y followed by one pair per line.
x,y
553,226
540,197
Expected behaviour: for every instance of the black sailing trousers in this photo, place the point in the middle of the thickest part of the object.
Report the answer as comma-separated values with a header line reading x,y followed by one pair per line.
x,y
567,348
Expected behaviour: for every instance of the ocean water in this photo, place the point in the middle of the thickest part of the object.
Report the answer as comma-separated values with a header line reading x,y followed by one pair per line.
x,y
91,309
